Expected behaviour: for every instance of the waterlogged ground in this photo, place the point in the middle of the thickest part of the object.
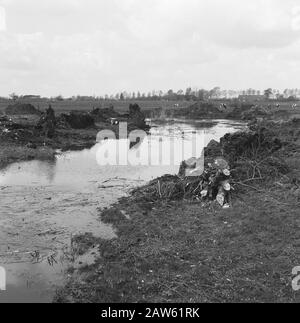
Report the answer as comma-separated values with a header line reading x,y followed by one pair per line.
x,y
44,204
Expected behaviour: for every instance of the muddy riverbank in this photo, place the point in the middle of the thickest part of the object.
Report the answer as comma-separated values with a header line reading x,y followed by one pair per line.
x,y
40,148
195,251
34,135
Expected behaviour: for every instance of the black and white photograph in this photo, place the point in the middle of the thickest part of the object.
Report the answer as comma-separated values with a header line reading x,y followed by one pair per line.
x,y
149,154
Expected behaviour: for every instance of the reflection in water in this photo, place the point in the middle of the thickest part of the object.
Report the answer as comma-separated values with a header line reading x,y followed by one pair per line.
x,y
31,172
48,169
42,204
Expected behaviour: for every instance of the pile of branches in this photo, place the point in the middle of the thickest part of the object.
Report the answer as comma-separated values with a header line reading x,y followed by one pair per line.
x,y
213,184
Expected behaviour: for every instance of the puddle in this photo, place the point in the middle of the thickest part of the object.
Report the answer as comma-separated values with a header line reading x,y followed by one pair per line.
x,y
43,204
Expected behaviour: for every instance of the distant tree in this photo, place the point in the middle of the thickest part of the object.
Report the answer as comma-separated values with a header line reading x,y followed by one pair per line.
x,y
202,95
287,93
171,95
13,96
215,92
250,92
188,93
122,97
268,93
59,98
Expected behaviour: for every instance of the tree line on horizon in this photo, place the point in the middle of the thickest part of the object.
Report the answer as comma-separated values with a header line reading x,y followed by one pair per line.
x,y
189,95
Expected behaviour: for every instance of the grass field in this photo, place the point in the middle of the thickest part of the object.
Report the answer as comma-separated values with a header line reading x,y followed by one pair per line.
x,y
120,106
180,252
285,110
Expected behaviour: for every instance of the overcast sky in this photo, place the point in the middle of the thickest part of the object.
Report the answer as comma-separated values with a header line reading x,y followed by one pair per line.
x,y
70,47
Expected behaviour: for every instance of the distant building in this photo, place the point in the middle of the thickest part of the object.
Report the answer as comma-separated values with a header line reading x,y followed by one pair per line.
x,y
251,98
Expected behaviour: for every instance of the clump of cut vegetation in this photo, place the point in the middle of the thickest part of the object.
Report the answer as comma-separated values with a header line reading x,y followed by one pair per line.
x,y
214,183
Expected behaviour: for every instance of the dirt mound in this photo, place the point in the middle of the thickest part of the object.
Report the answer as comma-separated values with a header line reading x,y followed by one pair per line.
x,y
135,118
77,120
255,112
22,109
257,153
239,110
250,144
199,110
103,115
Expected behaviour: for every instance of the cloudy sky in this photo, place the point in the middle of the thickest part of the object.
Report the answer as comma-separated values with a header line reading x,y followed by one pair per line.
x,y
70,47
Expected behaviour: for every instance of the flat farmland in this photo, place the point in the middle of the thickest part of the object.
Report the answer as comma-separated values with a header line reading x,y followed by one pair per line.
x,y
277,108
87,105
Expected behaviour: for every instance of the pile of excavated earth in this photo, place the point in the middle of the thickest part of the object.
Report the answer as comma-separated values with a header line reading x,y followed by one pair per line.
x,y
23,124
